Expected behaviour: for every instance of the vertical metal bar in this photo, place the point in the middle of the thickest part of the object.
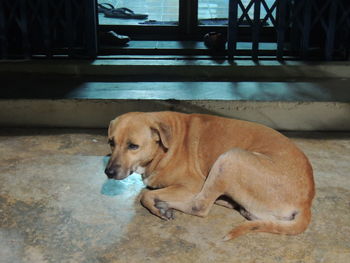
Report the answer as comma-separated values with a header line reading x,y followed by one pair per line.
x,y
182,16
2,31
232,28
305,41
23,21
346,41
193,16
68,26
188,17
256,30
330,34
90,17
56,25
294,36
45,16
281,17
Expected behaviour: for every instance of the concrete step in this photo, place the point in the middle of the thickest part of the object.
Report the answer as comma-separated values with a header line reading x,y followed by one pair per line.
x,y
80,102
67,93
178,68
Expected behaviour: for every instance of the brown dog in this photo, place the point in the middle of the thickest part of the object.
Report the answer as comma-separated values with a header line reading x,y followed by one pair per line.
x,y
191,160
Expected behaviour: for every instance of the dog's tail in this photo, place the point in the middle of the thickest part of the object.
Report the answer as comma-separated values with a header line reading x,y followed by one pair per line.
x,y
292,227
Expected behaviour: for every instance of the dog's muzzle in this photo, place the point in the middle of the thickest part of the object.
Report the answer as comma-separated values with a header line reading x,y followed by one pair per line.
x,y
114,172
110,172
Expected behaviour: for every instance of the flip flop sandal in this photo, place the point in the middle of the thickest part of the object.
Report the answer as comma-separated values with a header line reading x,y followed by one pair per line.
x,y
125,13
155,22
101,8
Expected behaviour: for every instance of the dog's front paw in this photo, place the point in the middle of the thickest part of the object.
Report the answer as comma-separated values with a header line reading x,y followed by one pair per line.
x,y
165,211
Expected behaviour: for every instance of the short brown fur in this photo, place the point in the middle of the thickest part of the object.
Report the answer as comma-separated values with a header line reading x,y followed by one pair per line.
x,y
190,160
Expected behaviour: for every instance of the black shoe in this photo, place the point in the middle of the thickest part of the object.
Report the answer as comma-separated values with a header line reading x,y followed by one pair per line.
x,y
111,38
215,41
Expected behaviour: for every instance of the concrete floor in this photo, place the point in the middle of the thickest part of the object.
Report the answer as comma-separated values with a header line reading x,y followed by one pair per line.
x,y
52,209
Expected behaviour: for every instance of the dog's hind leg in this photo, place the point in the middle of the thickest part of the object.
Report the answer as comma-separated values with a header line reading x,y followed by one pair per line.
x,y
234,174
216,184
259,187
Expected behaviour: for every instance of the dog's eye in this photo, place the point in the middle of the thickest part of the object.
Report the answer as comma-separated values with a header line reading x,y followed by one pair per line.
x,y
111,143
132,146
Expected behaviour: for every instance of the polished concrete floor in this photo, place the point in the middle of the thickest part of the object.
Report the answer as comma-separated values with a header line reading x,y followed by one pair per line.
x,y
53,208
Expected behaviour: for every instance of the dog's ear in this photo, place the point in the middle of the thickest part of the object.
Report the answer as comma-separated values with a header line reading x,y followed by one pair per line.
x,y
110,128
112,122
162,133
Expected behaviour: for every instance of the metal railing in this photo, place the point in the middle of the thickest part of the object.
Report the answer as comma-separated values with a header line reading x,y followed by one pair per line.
x,y
302,29
305,29
47,27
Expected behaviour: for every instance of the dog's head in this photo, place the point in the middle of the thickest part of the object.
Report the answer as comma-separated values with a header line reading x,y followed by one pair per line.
x,y
135,139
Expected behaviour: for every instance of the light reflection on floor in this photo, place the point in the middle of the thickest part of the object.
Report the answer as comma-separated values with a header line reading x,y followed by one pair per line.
x,y
113,187
130,185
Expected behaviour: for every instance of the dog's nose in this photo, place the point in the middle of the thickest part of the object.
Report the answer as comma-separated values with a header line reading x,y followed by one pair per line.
x,y
110,172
